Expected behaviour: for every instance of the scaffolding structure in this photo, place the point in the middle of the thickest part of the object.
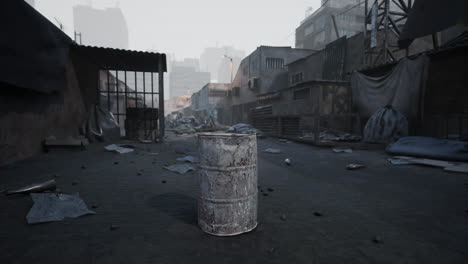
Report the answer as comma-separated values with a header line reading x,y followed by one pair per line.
x,y
384,20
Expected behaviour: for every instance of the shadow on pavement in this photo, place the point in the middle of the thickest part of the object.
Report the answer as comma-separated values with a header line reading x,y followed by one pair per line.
x,y
179,206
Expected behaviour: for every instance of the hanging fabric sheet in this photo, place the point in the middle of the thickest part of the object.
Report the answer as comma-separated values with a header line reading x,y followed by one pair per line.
x,y
402,88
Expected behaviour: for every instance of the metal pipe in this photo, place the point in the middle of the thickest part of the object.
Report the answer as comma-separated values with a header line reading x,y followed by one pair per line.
x,y
117,94
108,91
136,92
161,99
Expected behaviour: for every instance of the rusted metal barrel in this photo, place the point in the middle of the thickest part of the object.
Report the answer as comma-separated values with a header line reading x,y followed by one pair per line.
x,y
227,203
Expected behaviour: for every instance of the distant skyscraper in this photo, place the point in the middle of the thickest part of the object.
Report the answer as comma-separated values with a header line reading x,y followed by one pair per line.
x,y
31,2
101,27
212,60
185,77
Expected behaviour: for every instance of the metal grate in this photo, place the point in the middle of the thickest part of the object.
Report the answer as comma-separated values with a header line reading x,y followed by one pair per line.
x,y
121,91
290,126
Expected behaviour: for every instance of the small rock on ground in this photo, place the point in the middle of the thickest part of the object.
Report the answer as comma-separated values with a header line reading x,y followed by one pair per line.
x,y
377,240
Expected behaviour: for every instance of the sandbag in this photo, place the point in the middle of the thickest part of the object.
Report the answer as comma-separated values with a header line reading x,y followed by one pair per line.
x,y
386,125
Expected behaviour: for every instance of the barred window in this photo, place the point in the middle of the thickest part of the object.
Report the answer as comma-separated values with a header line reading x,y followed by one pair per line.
x,y
274,63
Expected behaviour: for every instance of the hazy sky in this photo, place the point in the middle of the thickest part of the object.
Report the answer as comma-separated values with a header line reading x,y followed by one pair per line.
x,y
186,27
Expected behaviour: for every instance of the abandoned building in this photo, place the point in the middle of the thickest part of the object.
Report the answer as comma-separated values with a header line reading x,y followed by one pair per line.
x,y
350,147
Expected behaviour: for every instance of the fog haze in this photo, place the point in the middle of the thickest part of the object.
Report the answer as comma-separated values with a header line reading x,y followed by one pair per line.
x,y
184,28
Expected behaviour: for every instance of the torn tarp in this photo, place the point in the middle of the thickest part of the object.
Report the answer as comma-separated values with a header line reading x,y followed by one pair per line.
x,y
49,207
403,88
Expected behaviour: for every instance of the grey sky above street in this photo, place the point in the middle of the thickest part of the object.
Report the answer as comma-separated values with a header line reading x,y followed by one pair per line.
x,y
184,28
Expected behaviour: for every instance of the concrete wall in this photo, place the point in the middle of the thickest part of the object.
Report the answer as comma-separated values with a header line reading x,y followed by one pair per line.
x,y
27,118
270,79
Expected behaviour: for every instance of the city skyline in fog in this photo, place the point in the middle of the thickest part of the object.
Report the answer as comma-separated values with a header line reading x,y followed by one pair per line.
x,y
185,28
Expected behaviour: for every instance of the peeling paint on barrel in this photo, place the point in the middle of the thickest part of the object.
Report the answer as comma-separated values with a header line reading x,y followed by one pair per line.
x,y
227,203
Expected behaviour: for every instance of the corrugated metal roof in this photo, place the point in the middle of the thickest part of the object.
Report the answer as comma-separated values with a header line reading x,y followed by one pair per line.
x,y
123,60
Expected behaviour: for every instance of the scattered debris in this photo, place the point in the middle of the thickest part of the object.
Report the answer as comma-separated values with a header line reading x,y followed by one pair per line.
x,y
272,150
283,140
139,173
446,165
184,129
55,176
35,188
342,150
243,129
333,136
283,217
397,161
179,168
163,181
270,189
461,168
271,250
354,166
287,161
318,213
190,159
49,207
94,206
114,227
265,194
145,141
153,153
116,162
119,148
377,240
66,142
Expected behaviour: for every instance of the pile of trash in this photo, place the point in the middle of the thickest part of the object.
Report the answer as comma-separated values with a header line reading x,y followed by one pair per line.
x,y
244,129
334,136
191,125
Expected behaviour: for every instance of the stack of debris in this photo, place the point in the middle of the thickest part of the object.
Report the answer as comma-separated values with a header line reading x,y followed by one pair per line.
x,y
327,135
